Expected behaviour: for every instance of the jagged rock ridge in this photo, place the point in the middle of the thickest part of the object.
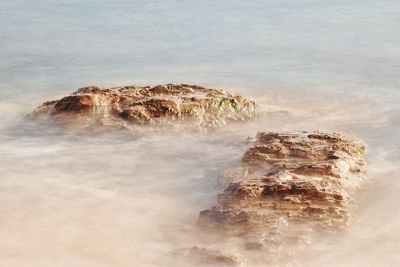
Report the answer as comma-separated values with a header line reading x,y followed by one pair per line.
x,y
301,179
143,105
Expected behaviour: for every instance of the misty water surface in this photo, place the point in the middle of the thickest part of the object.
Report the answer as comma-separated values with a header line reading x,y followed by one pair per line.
x,y
124,200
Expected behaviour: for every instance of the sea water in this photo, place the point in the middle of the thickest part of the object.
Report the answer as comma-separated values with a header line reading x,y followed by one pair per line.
x,y
122,200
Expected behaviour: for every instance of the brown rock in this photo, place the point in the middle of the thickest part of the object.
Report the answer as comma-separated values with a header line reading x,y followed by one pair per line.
x,y
289,179
132,105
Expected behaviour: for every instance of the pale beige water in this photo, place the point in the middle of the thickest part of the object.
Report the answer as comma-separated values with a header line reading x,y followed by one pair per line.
x,y
127,200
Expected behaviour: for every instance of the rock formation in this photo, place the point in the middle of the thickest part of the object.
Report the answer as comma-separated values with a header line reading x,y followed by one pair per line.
x,y
144,105
288,185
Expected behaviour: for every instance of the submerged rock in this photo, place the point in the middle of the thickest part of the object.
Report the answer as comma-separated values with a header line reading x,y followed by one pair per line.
x,y
200,256
144,105
288,185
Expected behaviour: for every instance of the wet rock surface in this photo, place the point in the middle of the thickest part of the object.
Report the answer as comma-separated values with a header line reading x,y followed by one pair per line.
x,y
289,185
146,105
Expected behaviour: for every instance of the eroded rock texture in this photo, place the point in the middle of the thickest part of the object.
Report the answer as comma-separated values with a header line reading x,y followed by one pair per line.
x,y
137,105
288,185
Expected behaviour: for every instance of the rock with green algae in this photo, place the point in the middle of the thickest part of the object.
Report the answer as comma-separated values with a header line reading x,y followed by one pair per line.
x,y
147,105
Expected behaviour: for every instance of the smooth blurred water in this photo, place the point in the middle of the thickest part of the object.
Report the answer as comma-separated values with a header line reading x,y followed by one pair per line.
x,y
122,200
331,44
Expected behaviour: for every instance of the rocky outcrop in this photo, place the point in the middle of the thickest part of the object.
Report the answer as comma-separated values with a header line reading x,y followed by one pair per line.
x,y
144,105
288,185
